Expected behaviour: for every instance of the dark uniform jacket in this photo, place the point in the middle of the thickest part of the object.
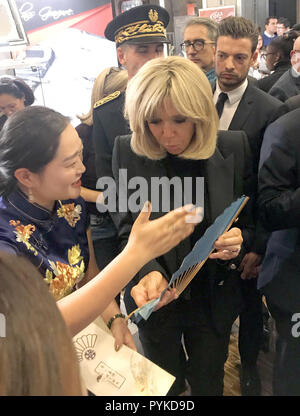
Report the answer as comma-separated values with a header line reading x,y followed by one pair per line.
x,y
108,123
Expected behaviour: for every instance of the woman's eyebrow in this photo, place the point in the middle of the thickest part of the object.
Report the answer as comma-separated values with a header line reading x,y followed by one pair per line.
x,y
73,155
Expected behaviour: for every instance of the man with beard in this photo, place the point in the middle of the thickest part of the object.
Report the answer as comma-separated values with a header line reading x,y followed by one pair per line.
x,y
241,106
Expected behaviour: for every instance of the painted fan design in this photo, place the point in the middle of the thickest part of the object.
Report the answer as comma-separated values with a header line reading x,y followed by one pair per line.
x,y
193,262
84,347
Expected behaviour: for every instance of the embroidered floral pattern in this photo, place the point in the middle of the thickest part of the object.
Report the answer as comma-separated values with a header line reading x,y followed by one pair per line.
x,y
23,233
70,213
66,275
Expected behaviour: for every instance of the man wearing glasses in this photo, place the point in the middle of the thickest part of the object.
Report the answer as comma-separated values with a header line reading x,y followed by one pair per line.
x,y
288,84
199,45
283,26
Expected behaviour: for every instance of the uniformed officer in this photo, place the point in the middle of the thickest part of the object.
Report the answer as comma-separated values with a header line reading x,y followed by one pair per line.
x,y
139,34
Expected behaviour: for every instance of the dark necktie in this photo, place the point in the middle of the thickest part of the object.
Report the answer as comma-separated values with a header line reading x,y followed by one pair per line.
x,y
220,103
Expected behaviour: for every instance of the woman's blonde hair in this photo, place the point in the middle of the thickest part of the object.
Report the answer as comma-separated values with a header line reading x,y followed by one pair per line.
x,y
181,81
108,81
37,353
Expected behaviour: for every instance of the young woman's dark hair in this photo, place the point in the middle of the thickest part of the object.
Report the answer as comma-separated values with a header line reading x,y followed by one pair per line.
x,y
17,88
284,44
29,139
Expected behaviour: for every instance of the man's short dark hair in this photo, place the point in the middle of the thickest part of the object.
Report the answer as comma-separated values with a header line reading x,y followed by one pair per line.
x,y
238,28
296,27
267,21
211,26
283,45
284,21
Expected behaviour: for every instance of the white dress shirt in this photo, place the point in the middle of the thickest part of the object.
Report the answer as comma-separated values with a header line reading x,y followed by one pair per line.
x,y
230,106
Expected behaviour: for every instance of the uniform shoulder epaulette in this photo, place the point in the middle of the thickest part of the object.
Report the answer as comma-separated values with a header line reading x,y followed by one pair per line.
x,y
107,99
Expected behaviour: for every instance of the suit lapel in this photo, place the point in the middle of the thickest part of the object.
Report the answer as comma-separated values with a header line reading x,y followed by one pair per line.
x,y
219,175
243,111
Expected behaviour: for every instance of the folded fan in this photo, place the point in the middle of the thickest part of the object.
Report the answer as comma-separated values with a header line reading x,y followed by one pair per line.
x,y
193,262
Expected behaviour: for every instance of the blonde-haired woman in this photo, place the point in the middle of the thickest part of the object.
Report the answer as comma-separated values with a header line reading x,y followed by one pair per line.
x,y
103,232
175,127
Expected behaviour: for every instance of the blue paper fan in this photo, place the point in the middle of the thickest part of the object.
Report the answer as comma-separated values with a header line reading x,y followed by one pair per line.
x,y
193,262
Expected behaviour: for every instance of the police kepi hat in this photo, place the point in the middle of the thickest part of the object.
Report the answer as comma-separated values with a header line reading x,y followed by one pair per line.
x,y
142,24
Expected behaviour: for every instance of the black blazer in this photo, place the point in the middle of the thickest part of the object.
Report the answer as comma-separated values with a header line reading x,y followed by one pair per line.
x,y
279,205
255,112
229,175
266,83
293,102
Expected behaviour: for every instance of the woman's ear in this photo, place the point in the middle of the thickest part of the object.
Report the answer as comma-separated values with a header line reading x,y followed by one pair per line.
x,y
25,177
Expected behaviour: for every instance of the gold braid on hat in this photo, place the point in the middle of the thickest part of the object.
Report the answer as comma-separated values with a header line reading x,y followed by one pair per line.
x,y
151,27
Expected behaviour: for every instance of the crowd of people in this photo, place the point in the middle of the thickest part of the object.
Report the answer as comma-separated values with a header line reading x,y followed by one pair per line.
x,y
227,112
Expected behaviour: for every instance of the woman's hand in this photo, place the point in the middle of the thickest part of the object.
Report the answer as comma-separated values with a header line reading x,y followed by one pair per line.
x,y
152,239
150,287
228,245
121,334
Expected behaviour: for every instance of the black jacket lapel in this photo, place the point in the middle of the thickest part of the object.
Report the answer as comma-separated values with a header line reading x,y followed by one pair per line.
x,y
219,174
243,111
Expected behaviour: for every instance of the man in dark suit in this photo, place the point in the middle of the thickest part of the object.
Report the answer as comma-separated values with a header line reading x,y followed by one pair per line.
x,y
241,106
279,279
139,34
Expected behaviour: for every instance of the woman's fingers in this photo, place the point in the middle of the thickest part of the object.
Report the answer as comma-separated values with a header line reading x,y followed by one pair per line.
x,y
224,255
148,288
231,240
153,238
122,334
168,297
140,294
183,220
228,245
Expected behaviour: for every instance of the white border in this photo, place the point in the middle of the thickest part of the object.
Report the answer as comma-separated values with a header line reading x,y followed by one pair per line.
x,y
17,35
